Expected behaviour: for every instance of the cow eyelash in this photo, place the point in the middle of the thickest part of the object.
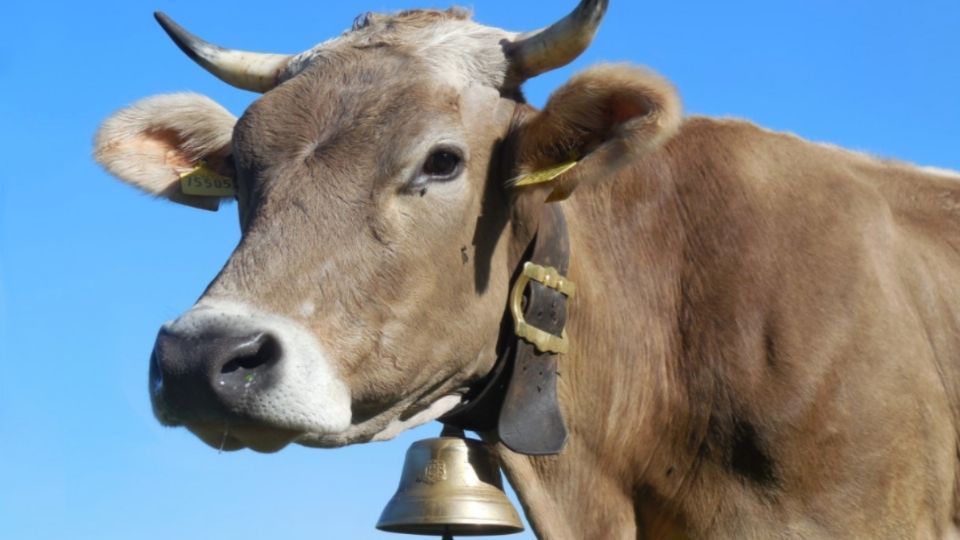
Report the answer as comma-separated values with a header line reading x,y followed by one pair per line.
x,y
444,164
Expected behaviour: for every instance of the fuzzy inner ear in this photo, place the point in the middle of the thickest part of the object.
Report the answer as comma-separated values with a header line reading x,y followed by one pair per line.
x,y
159,139
604,118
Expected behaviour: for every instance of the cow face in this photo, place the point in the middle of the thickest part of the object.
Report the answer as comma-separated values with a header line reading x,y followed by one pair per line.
x,y
369,285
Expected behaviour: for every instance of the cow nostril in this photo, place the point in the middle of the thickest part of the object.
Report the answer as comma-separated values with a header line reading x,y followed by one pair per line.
x,y
267,353
250,363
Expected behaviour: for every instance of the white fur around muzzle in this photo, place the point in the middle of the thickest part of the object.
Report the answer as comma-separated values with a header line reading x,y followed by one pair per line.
x,y
309,395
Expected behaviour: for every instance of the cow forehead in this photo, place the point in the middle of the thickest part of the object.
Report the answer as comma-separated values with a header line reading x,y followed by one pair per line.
x,y
358,104
457,48
346,103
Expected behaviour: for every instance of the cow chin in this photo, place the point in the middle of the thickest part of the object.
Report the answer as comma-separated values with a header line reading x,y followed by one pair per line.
x,y
262,439
384,427
269,439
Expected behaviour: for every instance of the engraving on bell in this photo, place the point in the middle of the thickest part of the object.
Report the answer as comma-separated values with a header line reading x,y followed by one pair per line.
x,y
450,486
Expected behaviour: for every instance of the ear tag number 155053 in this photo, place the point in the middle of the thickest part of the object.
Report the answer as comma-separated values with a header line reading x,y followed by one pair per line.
x,y
204,182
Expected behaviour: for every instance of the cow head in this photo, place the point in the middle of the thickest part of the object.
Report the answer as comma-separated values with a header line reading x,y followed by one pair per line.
x,y
378,224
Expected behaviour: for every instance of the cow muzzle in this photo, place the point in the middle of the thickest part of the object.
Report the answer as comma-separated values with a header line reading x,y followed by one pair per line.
x,y
238,377
199,376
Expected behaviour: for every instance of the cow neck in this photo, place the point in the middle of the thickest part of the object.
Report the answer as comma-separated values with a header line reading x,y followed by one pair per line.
x,y
517,400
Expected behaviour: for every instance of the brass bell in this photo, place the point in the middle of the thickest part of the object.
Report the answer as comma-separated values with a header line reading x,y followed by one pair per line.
x,y
450,486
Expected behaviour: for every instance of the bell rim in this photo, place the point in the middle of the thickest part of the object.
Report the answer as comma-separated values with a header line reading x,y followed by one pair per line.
x,y
505,520
455,529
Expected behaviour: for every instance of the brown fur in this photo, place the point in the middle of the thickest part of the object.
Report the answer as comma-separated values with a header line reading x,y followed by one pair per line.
x,y
787,307
765,337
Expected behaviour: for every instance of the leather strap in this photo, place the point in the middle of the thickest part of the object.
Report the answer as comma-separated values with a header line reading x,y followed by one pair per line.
x,y
530,420
519,397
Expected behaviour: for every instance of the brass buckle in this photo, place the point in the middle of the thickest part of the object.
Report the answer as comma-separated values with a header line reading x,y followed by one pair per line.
x,y
548,277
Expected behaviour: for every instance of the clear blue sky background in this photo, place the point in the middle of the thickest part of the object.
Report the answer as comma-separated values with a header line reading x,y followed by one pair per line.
x,y
89,268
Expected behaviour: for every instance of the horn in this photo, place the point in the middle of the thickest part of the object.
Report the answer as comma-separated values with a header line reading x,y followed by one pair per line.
x,y
537,52
252,71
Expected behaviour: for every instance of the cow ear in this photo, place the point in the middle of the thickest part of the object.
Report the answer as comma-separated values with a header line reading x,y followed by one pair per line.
x,y
157,141
603,120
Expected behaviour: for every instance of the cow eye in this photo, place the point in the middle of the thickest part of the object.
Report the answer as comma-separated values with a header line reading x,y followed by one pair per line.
x,y
443,164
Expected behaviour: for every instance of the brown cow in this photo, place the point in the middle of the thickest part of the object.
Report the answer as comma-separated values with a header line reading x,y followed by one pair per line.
x,y
766,332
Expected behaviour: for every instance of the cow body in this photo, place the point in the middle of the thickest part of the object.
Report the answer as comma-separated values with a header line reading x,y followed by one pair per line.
x,y
764,336
765,345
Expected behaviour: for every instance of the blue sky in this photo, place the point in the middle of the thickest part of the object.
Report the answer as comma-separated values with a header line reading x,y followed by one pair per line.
x,y
89,268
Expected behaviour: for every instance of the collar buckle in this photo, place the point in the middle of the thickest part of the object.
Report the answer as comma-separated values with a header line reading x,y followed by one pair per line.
x,y
549,277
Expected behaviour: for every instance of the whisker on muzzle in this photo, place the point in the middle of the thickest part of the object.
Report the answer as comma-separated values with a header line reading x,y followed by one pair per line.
x,y
223,441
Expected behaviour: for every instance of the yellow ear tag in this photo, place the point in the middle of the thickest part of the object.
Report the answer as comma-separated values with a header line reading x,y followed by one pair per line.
x,y
204,182
544,176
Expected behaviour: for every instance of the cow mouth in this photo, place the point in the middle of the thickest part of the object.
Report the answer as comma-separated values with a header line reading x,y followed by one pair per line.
x,y
386,425
229,438
266,439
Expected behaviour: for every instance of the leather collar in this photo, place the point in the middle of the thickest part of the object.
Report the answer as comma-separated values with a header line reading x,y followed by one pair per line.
x,y
518,398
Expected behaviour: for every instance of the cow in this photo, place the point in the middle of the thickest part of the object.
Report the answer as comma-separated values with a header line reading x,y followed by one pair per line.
x,y
764,340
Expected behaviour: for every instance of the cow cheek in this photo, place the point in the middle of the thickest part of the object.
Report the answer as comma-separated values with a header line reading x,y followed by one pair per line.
x,y
445,334
440,317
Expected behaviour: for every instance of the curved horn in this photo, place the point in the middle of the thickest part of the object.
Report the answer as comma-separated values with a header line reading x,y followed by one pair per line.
x,y
256,72
537,52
